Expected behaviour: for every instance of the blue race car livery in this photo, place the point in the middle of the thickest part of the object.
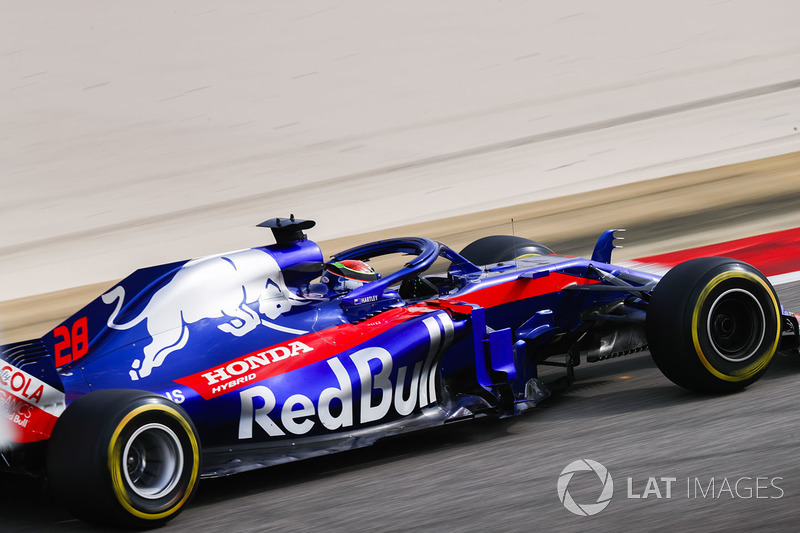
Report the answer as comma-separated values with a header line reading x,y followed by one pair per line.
x,y
244,360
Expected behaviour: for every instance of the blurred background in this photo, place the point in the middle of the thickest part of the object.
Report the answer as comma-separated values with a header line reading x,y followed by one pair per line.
x,y
138,133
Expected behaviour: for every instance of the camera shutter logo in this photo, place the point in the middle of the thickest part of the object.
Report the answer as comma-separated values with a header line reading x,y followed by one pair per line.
x,y
587,509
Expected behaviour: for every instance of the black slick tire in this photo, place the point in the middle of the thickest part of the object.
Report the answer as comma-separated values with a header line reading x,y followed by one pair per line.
x,y
125,458
713,324
499,248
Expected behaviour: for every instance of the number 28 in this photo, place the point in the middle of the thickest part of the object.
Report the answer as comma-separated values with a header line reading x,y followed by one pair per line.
x,y
73,345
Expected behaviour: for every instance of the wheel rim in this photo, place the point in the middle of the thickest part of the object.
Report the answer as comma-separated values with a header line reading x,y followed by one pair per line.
x,y
153,461
736,325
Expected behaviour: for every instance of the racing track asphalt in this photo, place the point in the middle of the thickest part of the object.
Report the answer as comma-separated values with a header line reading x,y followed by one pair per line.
x,y
502,475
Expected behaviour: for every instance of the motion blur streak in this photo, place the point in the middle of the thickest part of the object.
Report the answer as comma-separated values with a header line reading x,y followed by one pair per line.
x,y
161,134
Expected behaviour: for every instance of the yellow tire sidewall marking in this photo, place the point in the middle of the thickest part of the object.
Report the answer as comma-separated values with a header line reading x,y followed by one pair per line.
x,y
115,448
760,363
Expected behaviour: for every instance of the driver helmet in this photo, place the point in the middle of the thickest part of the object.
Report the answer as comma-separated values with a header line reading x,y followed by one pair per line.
x,y
344,276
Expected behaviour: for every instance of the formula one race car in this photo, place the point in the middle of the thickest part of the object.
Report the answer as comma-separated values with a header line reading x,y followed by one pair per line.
x,y
262,356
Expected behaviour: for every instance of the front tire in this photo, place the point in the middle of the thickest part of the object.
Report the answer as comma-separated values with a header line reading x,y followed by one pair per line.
x,y
713,324
499,248
124,458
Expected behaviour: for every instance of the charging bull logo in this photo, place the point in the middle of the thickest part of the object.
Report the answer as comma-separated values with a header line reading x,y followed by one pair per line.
x,y
222,286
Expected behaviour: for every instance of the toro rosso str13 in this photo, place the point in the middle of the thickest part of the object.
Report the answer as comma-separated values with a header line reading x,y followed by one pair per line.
x,y
267,355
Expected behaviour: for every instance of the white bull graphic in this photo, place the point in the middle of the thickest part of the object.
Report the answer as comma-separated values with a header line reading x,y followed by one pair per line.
x,y
221,286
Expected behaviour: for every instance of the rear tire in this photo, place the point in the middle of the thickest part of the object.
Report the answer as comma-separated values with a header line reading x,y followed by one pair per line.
x,y
124,458
499,248
713,324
